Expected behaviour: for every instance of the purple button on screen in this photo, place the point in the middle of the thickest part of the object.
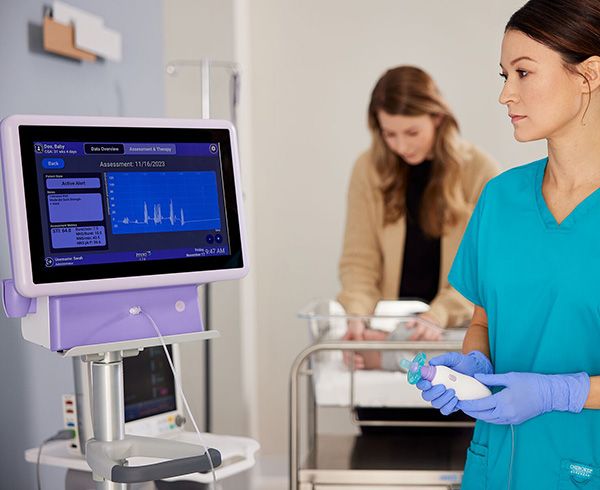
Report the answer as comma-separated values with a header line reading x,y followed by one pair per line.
x,y
74,183
78,236
73,208
150,149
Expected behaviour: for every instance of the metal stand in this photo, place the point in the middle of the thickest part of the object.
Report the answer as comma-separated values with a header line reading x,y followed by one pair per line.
x,y
108,406
109,333
299,476
108,451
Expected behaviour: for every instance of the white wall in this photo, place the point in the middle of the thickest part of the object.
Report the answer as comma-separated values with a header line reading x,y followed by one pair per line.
x,y
311,66
196,29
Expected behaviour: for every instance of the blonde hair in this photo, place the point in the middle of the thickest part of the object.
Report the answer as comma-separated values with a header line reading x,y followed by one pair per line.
x,y
409,91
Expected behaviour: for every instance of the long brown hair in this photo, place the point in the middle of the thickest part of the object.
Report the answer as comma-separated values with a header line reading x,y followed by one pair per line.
x,y
409,91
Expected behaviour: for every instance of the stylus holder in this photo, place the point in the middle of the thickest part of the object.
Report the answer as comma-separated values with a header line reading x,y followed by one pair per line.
x,y
60,323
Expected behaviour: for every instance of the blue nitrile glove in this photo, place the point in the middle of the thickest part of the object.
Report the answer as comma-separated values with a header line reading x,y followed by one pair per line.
x,y
527,395
469,364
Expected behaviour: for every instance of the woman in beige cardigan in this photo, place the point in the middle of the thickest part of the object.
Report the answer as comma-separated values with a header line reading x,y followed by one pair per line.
x,y
409,201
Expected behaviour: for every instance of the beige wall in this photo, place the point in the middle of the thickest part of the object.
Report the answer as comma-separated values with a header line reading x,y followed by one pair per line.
x,y
197,29
312,66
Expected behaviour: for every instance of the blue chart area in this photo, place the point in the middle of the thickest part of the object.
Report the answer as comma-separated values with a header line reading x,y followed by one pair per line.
x,y
158,202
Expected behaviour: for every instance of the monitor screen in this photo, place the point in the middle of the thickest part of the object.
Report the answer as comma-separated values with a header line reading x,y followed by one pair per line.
x,y
148,384
108,202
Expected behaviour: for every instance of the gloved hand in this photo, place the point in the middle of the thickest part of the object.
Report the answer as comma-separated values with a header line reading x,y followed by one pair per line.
x,y
469,364
527,395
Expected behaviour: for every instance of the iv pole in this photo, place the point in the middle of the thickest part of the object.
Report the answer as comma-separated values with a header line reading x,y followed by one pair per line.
x,y
206,65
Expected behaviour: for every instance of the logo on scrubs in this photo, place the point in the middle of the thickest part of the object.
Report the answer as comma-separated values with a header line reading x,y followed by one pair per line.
x,y
580,473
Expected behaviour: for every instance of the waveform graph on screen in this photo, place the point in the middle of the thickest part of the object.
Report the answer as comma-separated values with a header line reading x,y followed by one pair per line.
x,y
159,202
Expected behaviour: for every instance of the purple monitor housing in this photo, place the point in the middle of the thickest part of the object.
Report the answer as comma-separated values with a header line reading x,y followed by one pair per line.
x,y
108,213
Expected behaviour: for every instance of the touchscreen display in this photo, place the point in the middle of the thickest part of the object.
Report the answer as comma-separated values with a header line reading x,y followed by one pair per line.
x,y
137,201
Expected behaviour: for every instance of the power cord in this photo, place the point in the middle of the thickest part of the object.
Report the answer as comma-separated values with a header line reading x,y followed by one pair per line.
x,y
61,435
512,455
137,310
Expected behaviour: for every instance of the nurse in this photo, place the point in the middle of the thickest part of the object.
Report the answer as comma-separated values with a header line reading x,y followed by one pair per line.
x,y
530,262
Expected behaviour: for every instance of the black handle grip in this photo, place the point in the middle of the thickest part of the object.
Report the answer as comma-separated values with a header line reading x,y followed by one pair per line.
x,y
166,469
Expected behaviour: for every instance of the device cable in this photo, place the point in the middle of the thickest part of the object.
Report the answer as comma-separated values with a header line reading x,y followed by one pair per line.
x,y
512,455
61,435
136,310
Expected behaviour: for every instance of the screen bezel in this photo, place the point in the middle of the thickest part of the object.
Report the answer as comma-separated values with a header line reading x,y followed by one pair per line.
x,y
24,217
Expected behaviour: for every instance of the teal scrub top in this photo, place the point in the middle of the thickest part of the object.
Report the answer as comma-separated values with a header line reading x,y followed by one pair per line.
x,y
539,283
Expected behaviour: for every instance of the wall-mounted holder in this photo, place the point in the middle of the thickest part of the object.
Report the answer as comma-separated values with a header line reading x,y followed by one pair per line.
x,y
74,33
60,39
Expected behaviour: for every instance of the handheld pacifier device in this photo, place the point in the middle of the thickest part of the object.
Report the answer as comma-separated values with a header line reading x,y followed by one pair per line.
x,y
465,387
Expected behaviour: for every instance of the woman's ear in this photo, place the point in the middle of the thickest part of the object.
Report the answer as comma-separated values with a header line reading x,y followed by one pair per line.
x,y
590,70
437,120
